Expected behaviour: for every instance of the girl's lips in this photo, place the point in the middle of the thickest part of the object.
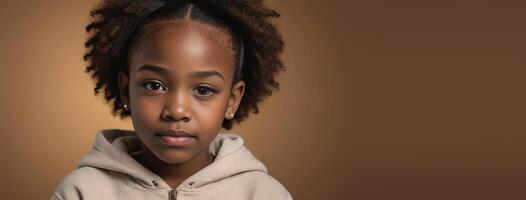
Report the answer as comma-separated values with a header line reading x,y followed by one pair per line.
x,y
176,137
176,140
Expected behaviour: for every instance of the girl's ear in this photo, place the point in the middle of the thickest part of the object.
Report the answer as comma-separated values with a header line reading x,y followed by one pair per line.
x,y
235,99
123,88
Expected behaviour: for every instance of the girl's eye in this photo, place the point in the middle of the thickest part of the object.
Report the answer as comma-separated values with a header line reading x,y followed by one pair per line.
x,y
204,91
154,86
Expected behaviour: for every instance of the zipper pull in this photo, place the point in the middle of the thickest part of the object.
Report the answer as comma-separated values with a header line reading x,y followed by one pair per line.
x,y
172,194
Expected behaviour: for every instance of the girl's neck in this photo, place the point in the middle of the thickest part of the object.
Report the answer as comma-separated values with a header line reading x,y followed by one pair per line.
x,y
173,174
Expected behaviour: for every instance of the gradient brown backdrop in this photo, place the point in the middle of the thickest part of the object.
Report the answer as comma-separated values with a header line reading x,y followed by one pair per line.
x,y
405,99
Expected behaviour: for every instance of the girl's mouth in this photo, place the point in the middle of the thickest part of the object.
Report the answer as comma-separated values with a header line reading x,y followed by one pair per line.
x,y
176,140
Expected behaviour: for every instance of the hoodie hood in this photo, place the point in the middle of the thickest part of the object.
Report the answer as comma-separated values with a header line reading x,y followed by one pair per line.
x,y
113,149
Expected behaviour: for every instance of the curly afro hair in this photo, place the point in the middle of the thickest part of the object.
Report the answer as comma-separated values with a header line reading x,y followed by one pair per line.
x,y
116,23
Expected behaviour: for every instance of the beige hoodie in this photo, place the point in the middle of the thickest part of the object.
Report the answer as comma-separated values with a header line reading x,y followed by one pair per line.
x,y
109,172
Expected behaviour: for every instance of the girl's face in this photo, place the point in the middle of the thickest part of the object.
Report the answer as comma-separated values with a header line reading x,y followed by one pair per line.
x,y
180,76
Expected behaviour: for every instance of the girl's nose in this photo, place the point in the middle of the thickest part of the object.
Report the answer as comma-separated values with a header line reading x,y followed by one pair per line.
x,y
177,108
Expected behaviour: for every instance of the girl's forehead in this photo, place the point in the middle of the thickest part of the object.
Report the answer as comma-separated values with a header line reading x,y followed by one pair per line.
x,y
183,43
218,36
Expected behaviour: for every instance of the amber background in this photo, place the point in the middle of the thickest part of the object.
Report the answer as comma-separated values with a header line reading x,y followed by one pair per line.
x,y
405,99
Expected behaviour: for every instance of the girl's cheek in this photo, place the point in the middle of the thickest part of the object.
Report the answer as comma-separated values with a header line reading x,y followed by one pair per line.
x,y
147,108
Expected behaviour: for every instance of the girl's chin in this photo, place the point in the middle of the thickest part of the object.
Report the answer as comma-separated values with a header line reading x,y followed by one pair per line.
x,y
174,156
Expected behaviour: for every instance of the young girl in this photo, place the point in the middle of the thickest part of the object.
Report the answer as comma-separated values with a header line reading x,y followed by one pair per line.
x,y
182,70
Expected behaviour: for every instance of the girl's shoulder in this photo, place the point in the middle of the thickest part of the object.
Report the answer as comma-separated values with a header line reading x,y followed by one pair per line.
x,y
76,181
95,183
261,184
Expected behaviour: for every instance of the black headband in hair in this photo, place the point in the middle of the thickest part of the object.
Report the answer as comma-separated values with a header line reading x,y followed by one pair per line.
x,y
241,56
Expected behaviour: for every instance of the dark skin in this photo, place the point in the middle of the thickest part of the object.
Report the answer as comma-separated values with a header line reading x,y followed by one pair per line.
x,y
180,77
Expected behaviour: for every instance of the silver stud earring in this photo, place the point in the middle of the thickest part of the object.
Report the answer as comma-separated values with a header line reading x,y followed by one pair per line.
x,y
126,107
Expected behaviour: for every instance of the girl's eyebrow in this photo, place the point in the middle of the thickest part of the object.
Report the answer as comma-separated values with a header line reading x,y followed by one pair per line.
x,y
202,74
166,72
153,68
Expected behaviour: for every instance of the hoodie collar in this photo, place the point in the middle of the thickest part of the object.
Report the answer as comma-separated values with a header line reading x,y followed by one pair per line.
x,y
113,147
